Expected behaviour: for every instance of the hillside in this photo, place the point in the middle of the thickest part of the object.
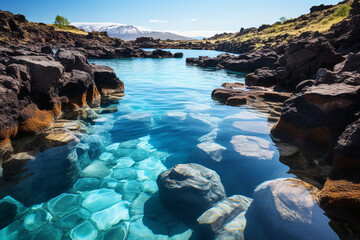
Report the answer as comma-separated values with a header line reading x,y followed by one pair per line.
x,y
16,29
320,19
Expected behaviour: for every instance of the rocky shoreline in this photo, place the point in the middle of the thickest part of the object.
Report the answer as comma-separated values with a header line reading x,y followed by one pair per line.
x,y
310,87
321,114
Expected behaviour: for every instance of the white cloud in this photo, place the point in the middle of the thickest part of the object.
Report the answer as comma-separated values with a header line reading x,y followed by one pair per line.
x,y
157,21
190,20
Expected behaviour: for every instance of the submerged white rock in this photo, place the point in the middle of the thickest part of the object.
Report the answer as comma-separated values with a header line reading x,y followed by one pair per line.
x,y
84,231
181,116
210,137
255,126
139,231
137,116
214,150
63,204
252,147
97,169
36,218
206,118
99,199
286,209
124,162
151,163
110,216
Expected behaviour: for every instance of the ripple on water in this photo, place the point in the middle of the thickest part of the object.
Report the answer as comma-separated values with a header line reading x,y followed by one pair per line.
x,y
166,117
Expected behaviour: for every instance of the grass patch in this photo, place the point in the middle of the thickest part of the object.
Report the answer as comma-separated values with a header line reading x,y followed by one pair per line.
x,y
69,28
282,32
342,11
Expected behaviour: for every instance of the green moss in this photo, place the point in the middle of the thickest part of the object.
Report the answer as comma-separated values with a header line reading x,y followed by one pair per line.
x,y
342,11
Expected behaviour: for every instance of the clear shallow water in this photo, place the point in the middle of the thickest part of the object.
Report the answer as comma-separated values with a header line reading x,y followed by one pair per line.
x,y
166,117
163,87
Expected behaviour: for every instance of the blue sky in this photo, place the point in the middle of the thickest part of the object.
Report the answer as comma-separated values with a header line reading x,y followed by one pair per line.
x,y
187,17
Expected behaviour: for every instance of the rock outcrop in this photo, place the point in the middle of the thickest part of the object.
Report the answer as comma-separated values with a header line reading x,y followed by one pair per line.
x,y
38,88
243,63
188,190
341,193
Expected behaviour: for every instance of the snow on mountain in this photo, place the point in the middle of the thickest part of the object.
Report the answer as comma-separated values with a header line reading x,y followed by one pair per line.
x,y
127,32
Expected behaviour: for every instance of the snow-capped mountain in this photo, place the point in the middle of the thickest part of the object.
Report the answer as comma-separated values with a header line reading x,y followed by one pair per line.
x,y
127,32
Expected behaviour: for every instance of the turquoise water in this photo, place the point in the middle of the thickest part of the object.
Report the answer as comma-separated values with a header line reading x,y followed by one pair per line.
x,y
166,117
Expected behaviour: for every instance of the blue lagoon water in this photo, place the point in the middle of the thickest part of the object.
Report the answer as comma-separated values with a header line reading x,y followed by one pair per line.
x,y
166,117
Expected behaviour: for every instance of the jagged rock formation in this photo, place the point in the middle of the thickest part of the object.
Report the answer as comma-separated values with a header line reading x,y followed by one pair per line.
x,y
38,88
322,71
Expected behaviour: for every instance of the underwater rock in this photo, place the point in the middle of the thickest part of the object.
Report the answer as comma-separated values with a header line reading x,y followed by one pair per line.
x,y
9,210
181,116
206,118
140,154
214,150
149,186
252,147
151,163
36,218
124,162
12,231
137,206
111,216
139,231
233,230
63,204
130,143
99,199
107,157
117,233
84,231
73,219
124,173
109,183
286,209
129,189
190,189
47,232
97,169
214,220
86,184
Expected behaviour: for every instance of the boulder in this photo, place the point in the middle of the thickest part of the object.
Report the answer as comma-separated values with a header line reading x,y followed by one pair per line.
x,y
72,60
261,77
213,221
44,71
341,193
286,209
178,55
315,117
158,53
189,189
106,80
78,87
303,59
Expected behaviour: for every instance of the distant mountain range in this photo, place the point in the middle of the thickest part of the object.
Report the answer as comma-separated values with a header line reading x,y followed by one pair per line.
x,y
127,32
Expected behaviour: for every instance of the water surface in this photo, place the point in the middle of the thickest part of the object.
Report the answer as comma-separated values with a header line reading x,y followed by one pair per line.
x,y
166,117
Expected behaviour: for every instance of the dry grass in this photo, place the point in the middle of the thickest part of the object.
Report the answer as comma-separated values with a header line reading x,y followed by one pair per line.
x,y
317,21
70,28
